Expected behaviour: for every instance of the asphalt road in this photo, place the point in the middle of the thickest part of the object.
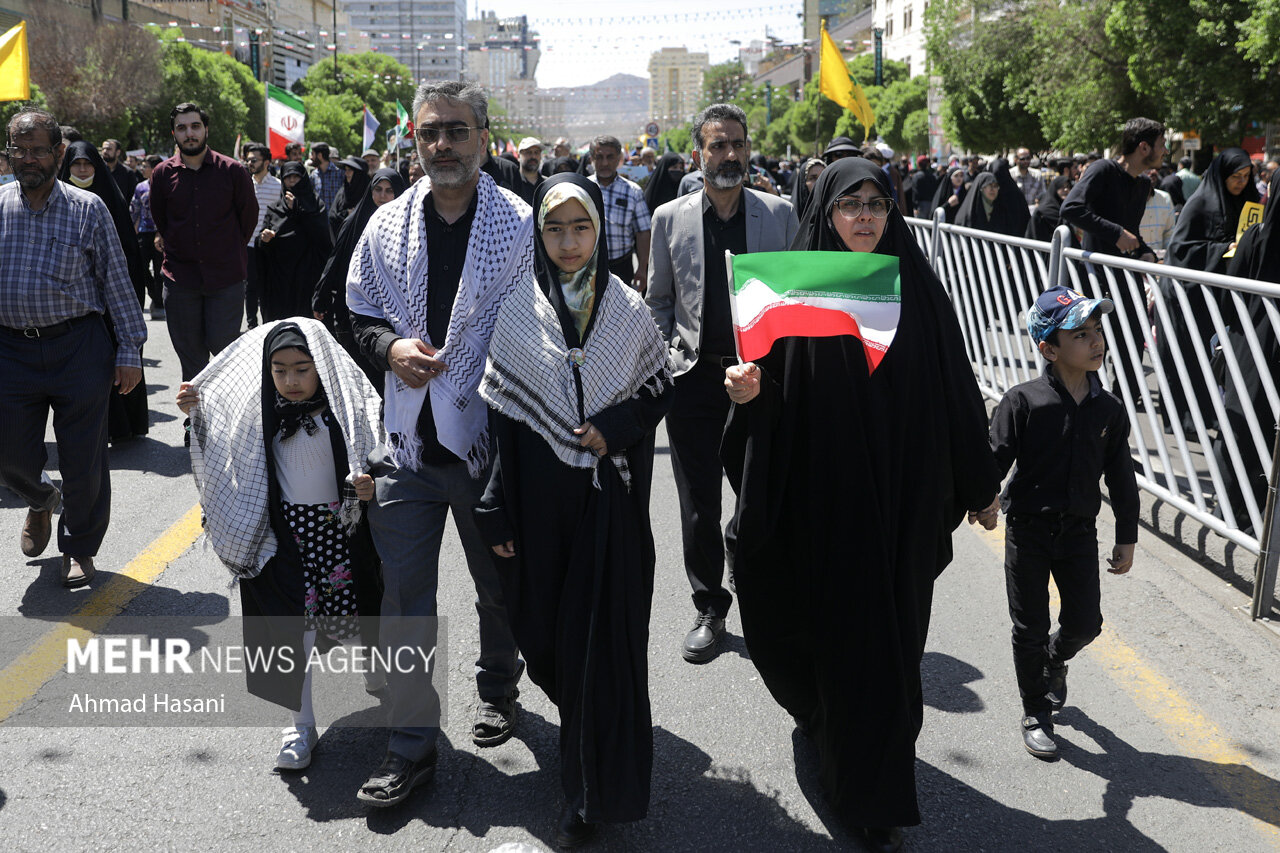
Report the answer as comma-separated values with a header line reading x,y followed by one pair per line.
x,y
1169,742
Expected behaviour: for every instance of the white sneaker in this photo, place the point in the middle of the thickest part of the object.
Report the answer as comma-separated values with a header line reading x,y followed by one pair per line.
x,y
298,742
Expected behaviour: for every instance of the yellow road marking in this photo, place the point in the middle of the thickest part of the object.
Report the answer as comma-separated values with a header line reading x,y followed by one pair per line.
x,y
23,678
1192,733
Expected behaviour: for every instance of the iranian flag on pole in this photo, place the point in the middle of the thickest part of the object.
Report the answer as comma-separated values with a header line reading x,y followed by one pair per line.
x,y
814,294
285,117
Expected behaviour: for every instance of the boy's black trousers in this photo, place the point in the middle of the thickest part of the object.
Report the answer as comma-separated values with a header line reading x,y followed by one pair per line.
x,y
1037,546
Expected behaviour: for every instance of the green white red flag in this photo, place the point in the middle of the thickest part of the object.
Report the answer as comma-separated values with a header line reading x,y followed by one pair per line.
x,y
286,116
814,294
404,126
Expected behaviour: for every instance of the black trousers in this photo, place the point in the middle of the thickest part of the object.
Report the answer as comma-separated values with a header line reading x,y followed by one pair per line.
x,y
72,375
695,425
623,267
253,288
1037,547
152,259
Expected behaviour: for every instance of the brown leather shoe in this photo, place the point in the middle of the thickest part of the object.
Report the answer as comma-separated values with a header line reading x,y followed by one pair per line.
x,y
77,571
35,532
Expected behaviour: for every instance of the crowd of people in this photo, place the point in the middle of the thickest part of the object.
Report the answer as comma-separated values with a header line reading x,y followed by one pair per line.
x,y
368,348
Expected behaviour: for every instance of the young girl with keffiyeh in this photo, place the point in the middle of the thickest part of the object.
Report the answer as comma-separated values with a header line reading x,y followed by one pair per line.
x,y
578,379
283,421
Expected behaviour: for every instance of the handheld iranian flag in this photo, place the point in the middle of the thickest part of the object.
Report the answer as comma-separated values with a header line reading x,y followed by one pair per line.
x,y
814,294
286,115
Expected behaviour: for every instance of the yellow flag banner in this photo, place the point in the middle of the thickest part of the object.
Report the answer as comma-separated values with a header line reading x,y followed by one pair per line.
x,y
15,69
1250,215
835,83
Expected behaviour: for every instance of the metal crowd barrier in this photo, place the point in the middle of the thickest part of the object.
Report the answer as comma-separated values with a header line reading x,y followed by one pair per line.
x,y
1202,468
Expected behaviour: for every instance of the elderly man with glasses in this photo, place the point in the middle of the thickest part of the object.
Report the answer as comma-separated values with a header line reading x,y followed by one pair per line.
x,y
65,273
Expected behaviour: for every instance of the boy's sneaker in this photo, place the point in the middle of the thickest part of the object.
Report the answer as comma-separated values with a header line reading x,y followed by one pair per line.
x,y
298,743
1057,692
1037,736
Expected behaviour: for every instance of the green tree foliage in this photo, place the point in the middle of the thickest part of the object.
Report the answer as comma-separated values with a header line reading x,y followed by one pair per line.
x,y
981,53
224,87
902,114
371,79
1201,62
680,139
1081,103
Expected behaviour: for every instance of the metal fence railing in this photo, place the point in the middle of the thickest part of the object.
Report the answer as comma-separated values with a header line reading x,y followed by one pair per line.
x,y
1176,345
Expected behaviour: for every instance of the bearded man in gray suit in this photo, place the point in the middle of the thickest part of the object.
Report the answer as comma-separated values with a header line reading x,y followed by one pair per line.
x,y
688,293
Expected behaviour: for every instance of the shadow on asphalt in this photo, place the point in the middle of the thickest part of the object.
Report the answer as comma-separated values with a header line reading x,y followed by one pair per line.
x,y
945,678
959,817
1130,774
695,804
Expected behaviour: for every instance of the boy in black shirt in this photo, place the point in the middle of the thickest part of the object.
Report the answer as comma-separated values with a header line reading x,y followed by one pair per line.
x,y
1064,431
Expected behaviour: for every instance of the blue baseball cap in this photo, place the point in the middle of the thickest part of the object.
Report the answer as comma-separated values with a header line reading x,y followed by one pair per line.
x,y
1062,308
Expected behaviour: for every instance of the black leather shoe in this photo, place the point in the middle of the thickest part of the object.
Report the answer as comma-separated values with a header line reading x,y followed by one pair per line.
x,y
573,830
1057,692
886,839
495,721
702,643
1037,736
396,779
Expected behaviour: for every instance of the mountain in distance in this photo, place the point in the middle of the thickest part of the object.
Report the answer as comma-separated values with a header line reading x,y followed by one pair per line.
x,y
617,105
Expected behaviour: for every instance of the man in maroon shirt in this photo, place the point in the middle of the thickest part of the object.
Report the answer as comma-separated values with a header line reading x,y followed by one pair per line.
x,y
205,211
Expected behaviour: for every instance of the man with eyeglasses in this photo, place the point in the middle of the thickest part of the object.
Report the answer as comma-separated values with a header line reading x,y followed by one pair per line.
x,y
689,296
267,188
424,307
64,271
1029,180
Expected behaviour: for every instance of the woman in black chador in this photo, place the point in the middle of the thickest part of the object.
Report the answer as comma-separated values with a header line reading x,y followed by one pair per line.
x,y
1257,257
1206,229
849,487
83,167
578,379
295,244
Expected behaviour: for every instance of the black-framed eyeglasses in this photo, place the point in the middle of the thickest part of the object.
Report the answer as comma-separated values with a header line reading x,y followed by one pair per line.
x,y
428,135
39,152
852,207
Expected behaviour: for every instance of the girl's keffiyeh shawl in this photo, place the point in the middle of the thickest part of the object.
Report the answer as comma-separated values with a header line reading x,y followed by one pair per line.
x,y
529,377
388,279
228,450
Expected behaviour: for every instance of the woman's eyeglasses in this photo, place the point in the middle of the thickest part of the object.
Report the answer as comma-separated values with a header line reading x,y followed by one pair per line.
x,y
852,207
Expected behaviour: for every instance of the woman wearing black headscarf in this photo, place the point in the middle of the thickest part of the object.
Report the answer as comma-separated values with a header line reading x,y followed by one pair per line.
x,y
355,183
951,193
995,205
665,181
1206,229
578,377
1257,257
822,454
802,188
294,244
82,166
330,299
1048,213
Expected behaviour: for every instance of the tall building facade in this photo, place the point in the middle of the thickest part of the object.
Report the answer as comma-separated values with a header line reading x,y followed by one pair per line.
x,y
428,36
502,56
675,85
901,23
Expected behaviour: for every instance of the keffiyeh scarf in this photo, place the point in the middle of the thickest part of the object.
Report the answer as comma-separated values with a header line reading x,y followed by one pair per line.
x,y
530,378
228,450
388,279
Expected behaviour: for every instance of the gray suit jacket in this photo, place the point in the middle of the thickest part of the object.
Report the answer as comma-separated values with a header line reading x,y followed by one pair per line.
x,y
677,257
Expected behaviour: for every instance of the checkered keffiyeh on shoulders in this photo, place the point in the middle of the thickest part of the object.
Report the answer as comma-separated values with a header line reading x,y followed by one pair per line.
x,y
228,449
530,377
388,279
